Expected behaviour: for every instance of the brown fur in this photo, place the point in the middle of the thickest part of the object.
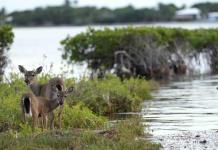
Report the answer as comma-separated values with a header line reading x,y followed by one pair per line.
x,y
40,106
47,90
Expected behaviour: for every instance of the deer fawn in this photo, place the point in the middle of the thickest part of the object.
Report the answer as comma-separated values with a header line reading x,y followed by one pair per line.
x,y
37,106
47,90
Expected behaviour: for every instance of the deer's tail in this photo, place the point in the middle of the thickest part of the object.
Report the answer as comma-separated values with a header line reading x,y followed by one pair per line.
x,y
26,102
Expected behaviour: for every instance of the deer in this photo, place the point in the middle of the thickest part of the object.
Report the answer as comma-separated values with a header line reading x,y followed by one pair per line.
x,y
47,90
37,106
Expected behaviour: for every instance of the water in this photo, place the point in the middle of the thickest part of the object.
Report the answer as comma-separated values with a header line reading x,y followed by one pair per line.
x,y
198,64
36,46
182,110
33,47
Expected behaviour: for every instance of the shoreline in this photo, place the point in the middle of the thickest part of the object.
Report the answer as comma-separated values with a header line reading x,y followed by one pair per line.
x,y
123,24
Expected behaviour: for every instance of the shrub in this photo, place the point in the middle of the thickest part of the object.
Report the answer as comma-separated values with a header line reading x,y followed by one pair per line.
x,y
90,99
89,95
78,116
149,48
6,39
111,95
10,95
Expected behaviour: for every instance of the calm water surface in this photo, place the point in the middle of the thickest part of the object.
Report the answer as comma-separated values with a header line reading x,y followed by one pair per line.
x,y
36,46
183,109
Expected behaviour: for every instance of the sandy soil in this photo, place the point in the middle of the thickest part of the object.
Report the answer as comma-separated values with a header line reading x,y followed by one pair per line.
x,y
204,140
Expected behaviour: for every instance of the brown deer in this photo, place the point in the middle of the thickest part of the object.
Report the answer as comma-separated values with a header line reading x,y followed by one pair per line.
x,y
47,90
37,106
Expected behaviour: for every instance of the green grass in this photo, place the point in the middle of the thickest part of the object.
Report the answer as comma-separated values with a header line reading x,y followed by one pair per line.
x,y
77,115
126,135
111,95
85,111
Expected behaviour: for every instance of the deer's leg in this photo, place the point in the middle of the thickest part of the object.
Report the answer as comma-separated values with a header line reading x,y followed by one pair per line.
x,y
51,117
44,120
59,119
24,118
60,116
35,122
42,123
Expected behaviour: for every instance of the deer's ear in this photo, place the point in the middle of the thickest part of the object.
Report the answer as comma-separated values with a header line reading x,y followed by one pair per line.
x,y
59,88
22,69
39,70
70,89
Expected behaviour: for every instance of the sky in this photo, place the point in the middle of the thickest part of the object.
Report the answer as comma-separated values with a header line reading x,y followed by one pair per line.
x,y
12,5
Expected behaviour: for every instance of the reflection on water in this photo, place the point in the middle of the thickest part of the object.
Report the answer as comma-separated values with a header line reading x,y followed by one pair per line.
x,y
183,107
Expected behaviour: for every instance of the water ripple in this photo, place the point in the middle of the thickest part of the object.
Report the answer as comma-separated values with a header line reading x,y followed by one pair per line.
x,y
183,108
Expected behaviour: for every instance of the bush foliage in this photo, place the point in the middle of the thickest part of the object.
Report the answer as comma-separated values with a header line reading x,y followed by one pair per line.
x,y
85,107
83,112
6,39
77,116
98,47
111,95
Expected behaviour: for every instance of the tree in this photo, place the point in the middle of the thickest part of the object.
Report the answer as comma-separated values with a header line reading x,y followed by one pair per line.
x,y
2,15
67,3
206,7
166,12
6,39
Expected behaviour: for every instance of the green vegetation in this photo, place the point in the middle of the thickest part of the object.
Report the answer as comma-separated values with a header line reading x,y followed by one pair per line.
x,y
2,16
124,135
72,15
84,126
206,7
10,116
111,95
98,47
6,39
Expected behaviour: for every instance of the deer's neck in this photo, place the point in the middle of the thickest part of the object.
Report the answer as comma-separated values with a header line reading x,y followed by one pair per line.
x,y
53,104
35,87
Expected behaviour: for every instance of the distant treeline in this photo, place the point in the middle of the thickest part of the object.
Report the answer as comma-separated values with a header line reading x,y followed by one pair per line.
x,y
206,7
68,14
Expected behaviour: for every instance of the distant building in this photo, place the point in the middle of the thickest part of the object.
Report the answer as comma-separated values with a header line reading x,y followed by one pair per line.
x,y
213,16
188,14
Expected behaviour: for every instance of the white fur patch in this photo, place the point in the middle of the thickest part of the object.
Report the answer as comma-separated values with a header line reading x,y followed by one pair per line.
x,y
29,114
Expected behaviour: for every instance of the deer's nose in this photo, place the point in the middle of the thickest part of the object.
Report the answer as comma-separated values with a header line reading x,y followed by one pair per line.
x,y
61,102
26,81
